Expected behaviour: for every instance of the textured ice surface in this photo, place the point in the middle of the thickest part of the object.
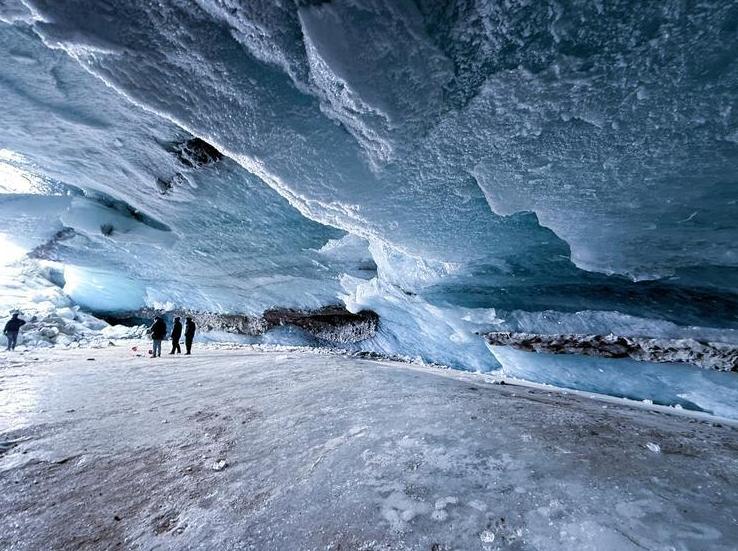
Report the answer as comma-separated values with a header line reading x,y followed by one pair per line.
x,y
670,384
614,127
52,318
238,449
455,166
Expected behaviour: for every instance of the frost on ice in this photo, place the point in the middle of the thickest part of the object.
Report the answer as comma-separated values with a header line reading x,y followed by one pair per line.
x,y
288,449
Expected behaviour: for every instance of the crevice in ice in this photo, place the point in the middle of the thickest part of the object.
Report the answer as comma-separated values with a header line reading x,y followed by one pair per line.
x,y
126,210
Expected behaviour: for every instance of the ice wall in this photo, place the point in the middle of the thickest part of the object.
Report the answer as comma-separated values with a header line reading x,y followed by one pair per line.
x,y
455,166
665,384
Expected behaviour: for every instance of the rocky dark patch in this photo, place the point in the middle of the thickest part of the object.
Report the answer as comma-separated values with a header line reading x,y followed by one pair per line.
x,y
231,323
709,355
164,186
196,152
332,323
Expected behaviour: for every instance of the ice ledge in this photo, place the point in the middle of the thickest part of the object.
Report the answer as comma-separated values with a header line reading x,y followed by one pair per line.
x,y
708,355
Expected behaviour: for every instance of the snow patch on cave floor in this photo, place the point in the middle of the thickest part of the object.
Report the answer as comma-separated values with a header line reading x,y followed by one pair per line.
x,y
246,449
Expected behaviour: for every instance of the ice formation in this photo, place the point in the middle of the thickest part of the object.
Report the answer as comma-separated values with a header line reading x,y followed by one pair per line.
x,y
52,318
456,167
673,384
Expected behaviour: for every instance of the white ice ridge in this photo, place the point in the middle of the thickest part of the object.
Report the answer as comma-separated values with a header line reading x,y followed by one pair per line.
x,y
709,355
52,318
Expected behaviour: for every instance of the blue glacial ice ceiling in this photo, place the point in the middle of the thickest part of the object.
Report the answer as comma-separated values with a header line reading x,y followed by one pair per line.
x,y
455,166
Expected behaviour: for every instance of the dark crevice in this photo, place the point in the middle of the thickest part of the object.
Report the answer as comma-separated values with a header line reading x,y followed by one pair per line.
x,y
126,210
195,152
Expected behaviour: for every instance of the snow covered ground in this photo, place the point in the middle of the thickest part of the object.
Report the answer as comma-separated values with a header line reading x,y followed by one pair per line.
x,y
236,448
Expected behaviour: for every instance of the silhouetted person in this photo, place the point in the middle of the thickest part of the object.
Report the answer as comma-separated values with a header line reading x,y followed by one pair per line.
x,y
158,333
176,334
11,330
189,334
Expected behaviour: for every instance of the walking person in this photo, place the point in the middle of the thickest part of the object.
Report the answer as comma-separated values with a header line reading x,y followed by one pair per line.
x,y
189,334
158,332
11,330
176,334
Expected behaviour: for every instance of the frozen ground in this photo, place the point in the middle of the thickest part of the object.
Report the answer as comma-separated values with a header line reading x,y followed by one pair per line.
x,y
246,449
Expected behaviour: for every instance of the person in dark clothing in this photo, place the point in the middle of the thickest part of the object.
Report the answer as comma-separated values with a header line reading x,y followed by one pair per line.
x,y
11,330
189,335
158,332
176,334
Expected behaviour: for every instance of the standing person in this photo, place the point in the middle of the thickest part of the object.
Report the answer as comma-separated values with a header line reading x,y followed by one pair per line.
x,y
158,332
11,330
189,334
176,334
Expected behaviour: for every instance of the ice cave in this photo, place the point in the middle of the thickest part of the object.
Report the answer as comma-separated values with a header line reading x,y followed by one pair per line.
x,y
537,199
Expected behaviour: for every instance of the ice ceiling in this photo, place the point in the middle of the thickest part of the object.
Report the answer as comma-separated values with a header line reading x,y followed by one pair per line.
x,y
453,165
